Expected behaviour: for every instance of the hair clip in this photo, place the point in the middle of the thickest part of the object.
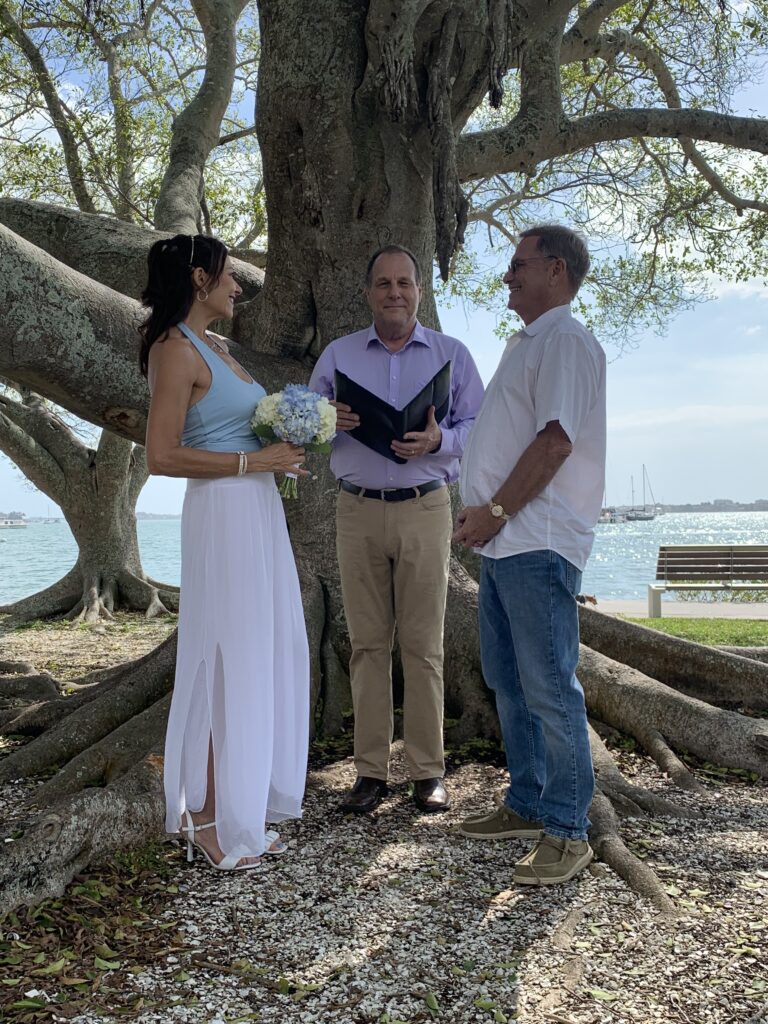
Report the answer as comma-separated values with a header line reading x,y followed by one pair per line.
x,y
192,251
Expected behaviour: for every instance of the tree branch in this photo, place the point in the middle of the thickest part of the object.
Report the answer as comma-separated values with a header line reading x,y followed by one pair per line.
x,y
48,89
515,148
35,462
612,44
196,130
110,251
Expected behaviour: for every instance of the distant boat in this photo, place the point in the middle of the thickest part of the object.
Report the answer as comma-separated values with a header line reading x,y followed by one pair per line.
x,y
644,513
12,524
611,515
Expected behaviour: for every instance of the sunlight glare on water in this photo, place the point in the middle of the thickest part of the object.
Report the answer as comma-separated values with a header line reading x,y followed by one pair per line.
x,y
623,559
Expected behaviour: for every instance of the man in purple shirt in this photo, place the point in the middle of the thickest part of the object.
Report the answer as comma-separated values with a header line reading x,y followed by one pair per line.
x,y
393,528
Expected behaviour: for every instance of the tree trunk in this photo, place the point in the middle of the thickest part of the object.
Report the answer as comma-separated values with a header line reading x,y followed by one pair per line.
x,y
339,181
97,491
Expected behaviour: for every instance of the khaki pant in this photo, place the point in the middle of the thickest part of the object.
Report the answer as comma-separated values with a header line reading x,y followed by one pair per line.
x,y
393,558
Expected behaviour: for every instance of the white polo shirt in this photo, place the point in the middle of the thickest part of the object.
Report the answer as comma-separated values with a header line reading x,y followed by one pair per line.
x,y
553,369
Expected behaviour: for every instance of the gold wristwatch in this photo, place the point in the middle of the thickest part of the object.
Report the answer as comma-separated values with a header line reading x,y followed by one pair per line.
x,y
497,511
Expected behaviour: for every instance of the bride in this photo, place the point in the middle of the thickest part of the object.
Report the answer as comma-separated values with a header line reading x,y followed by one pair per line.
x,y
236,746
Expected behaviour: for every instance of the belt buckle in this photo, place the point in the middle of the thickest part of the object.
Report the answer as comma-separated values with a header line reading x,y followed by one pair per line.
x,y
387,490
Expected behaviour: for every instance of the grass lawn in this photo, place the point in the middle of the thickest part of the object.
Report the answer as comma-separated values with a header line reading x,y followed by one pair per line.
x,y
729,632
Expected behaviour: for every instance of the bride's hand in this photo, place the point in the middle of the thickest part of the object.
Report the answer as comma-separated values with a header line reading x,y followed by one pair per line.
x,y
281,457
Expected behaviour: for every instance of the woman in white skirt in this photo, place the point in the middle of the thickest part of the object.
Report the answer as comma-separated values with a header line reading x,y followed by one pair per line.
x,y
236,747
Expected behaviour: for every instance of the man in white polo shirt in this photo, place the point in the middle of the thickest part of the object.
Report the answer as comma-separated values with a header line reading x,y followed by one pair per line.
x,y
532,484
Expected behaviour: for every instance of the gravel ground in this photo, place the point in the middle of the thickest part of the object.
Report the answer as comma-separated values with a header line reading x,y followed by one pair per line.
x,y
394,918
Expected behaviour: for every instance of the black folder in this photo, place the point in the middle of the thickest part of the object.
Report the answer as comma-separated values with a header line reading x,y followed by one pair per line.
x,y
381,423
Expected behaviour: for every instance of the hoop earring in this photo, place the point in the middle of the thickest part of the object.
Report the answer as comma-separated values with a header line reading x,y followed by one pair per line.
x,y
202,295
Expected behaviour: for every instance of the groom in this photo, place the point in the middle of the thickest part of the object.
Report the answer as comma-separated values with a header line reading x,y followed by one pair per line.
x,y
532,479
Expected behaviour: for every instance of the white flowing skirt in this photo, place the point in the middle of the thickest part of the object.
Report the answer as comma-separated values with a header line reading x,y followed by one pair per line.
x,y
242,670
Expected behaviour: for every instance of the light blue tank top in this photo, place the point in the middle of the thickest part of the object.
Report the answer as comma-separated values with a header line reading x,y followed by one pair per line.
x,y
220,421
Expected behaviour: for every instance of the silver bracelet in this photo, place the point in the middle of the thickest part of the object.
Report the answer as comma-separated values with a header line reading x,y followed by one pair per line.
x,y
242,464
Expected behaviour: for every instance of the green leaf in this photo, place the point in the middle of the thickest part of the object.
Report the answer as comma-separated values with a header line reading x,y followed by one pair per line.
x,y
104,951
106,965
485,1004
432,1004
603,995
54,968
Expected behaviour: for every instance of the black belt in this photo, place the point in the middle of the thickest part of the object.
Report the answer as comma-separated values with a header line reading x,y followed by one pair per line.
x,y
393,493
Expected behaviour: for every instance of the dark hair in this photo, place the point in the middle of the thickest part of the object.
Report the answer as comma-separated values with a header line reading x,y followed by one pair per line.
x,y
567,245
391,248
170,292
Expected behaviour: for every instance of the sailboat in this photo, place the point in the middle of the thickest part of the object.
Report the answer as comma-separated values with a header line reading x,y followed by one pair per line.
x,y
644,513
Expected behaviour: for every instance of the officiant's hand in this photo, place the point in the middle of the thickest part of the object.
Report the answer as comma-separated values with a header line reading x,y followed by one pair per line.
x,y
420,442
345,418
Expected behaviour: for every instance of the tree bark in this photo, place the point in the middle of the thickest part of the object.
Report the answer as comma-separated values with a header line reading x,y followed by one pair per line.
x,y
97,491
720,677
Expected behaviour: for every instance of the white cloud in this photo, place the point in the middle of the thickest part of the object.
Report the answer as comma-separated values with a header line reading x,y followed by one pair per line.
x,y
690,416
753,330
751,290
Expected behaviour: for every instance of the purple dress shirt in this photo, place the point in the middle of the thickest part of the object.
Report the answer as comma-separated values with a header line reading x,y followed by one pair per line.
x,y
397,377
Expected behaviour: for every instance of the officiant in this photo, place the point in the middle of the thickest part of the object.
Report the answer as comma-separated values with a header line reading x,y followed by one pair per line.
x,y
393,524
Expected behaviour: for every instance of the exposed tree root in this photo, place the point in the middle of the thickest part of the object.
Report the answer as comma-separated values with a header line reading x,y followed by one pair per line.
x,y
629,799
756,653
38,718
609,847
145,683
80,831
713,675
111,757
639,706
669,762
55,600
40,686
93,600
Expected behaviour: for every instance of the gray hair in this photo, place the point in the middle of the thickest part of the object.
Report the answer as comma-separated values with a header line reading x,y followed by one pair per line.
x,y
392,248
566,244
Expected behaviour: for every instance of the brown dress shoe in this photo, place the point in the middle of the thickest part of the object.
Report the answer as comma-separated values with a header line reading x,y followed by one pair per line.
x,y
365,795
431,796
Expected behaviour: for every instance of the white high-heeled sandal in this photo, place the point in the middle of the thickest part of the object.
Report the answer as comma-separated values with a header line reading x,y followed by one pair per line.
x,y
229,862
273,838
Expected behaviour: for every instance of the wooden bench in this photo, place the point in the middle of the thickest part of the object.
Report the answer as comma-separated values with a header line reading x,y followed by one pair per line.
x,y
708,567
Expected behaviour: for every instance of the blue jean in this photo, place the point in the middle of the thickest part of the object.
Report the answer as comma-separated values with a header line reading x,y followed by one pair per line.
x,y
529,644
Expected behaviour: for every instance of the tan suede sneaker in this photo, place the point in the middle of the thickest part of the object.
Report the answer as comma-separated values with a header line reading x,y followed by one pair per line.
x,y
502,823
552,860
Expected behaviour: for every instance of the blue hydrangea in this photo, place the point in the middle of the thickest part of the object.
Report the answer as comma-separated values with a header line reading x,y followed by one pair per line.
x,y
298,416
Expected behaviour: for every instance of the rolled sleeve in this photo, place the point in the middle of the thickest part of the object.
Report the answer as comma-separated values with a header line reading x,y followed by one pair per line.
x,y
566,386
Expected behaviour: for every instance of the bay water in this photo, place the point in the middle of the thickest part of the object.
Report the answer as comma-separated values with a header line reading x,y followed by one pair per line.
x,y
622,564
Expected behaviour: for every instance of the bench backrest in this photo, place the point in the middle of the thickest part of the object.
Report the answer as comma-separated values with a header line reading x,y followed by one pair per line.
x,y
713,563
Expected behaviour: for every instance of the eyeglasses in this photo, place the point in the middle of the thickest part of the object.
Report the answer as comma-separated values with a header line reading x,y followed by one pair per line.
x,y
516,265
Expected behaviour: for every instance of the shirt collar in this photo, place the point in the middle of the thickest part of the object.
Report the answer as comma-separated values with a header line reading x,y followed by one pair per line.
x,y
419,335
541,323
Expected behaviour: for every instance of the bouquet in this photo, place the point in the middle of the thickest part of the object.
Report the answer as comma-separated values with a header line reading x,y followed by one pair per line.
x,y
300,416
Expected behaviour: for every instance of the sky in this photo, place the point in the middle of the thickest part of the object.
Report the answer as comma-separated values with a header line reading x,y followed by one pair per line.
x,y
691,406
